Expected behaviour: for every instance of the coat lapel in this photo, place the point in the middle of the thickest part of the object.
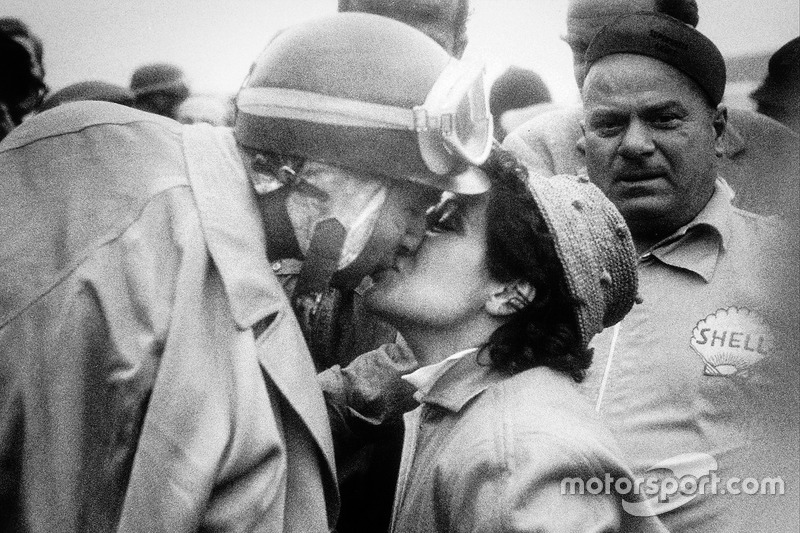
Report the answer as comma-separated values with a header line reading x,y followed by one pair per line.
x,y
234,233
284,357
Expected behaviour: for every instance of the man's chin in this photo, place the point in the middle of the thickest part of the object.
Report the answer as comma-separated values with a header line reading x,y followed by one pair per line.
x,y
644,209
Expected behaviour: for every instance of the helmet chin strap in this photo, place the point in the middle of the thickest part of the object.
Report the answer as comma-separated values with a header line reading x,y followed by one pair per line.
x,y
322,258
319,270
327,241
321,262
280,236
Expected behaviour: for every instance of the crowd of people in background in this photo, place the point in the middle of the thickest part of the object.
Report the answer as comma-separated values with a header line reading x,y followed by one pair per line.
x,y
410,299
160,88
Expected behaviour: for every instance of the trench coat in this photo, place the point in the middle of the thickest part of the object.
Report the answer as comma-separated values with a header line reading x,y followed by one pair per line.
x,y
491,452
153,376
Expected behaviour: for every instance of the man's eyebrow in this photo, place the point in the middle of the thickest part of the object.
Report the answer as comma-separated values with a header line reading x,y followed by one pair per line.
x,y
664,106
604,112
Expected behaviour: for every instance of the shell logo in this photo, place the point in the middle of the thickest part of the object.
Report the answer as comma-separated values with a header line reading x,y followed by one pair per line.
x,y
731,340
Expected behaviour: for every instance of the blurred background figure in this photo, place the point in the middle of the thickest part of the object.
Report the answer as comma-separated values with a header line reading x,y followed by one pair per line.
x,y
516,95
19,31
159,88
21,89
444,21
778,97
89,90
203,108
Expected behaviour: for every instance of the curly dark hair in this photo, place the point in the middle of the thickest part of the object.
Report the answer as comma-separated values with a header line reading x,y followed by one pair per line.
x,y
520,247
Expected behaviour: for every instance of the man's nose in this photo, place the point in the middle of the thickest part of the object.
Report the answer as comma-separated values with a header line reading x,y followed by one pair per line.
x,y
637,140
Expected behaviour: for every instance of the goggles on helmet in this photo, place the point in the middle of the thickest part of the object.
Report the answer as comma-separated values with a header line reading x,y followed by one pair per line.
x,y
453,125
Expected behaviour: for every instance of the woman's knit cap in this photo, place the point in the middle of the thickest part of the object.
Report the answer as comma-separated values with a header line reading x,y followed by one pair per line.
x,y
594,246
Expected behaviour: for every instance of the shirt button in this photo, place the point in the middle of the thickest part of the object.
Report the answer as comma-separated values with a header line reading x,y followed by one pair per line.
x,y
276,266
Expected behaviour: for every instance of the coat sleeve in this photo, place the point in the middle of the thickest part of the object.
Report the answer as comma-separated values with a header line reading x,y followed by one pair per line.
x,y
367,393
520,489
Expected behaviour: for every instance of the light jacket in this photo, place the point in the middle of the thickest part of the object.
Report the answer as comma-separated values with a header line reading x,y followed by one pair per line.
x,y
489,452
153,377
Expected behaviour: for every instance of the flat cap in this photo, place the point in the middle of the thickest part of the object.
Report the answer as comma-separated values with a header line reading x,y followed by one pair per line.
x,y
666,39
158,77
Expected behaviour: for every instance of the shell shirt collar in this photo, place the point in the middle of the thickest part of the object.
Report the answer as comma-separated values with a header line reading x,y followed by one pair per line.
x,y
697,245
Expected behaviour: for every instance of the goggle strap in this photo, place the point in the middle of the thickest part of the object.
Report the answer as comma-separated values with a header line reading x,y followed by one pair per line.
x,y
294,104
423,121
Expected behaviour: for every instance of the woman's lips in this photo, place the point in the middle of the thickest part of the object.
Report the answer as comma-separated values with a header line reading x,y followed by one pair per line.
x,y
399,262
381,272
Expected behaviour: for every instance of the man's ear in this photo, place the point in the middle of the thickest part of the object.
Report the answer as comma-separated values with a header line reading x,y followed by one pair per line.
x,y
720,123
508,298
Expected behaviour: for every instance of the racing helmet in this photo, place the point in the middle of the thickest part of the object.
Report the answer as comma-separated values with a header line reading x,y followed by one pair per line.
x,y
369,93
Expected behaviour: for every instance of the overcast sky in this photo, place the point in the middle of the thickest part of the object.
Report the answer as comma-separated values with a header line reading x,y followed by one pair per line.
x,y
215,40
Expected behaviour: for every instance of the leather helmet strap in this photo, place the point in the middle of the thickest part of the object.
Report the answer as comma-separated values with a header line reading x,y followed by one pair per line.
x,y
280,235
322,258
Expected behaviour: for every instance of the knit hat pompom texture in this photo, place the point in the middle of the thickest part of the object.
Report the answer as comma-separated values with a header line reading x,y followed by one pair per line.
x,y
594,246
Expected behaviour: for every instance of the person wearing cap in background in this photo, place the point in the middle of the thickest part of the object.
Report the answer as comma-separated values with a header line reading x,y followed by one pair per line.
x,y
89,90
444,21
760,158
778,97
518,92
499,304
21,88
159,88
154,377
677,380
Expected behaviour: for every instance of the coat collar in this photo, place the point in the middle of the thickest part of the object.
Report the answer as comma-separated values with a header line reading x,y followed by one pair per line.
x,y
232,225
467,378
425,377
234,233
